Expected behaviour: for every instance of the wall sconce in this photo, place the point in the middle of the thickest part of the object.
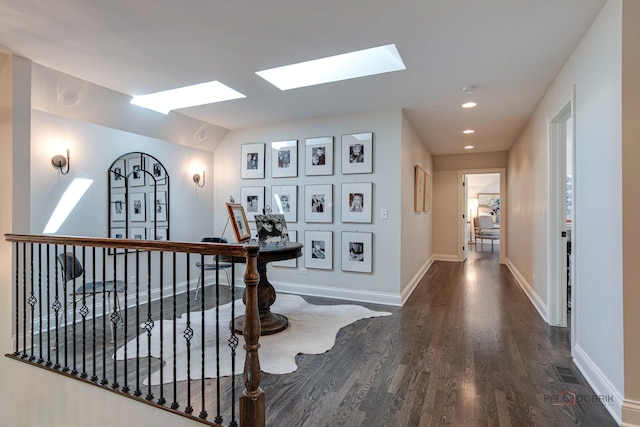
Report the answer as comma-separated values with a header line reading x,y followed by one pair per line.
x,y
197,179
59,162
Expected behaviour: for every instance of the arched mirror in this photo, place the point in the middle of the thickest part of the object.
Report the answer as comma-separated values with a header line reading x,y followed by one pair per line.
x,y
138,198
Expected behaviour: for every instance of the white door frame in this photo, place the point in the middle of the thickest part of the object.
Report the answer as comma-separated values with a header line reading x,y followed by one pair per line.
x,y
556,244
503,210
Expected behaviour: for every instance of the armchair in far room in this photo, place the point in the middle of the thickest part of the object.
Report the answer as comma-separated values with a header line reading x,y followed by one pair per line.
x,y
484,229
223,266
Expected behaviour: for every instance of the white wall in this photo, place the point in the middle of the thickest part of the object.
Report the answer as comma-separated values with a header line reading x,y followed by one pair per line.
x,y
595,69
383,285
416,232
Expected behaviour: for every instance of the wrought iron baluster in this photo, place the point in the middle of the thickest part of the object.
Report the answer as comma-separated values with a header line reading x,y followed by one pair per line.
x,y
104,381
137,392
65,368
114,330
174,404
49,363
84,312
56,307
218,417
74,371
188,335
94,377
148,325
161,400
119,318
40,359
233,343
32,302
203,412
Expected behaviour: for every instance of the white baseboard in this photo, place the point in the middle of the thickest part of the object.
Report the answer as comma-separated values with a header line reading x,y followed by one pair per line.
x,y
535,299
338,293
630,413
600,383
448,258
413,283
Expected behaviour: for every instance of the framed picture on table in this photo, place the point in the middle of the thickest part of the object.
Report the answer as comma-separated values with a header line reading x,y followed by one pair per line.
x,y
239,222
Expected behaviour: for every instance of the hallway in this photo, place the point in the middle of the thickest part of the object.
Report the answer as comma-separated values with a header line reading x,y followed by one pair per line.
x,y
468,349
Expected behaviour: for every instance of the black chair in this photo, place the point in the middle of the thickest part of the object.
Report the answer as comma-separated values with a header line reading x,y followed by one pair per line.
x,y
223,266
71,269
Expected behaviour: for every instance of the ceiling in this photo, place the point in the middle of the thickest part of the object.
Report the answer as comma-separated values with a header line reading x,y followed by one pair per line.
x,y
510,49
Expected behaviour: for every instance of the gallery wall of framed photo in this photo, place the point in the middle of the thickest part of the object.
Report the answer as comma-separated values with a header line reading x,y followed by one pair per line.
x,y
322,203
138,198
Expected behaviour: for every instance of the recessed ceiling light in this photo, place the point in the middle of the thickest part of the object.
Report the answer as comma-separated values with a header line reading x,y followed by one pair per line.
x,y
468,147
469,105
468,131
188,96
361,63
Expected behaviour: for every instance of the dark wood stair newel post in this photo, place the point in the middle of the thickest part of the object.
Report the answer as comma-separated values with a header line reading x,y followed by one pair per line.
x,y
252,401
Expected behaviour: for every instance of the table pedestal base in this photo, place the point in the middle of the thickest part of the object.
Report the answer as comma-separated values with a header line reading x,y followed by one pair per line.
x,y
270,323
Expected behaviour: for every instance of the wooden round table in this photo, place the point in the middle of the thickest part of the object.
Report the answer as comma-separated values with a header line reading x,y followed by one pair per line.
x,y
271,323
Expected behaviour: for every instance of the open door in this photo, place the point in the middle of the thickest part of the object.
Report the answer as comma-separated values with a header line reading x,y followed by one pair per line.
x,y
465,217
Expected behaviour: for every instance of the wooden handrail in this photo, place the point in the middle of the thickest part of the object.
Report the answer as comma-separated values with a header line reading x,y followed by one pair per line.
x,y
224,249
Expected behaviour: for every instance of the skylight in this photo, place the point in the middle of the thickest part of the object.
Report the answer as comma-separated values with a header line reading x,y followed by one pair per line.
x,y
67,203
361,63
188,96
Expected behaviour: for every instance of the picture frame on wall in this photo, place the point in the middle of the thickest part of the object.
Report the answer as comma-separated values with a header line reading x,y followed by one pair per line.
x,y
239,222
252,161
158,206
318,249
289,263
357,153
427,192
357,201
284,159
318,203
138,233
357,251
117,233
319,156
252,200
284,200
137,207
159,234
118,207
135,173
118,174
157,170
418,189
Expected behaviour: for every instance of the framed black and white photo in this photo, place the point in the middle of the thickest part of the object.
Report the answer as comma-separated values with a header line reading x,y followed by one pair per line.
x,y
138,233
137,207
135,173
239,222
289,263
319,156
252,161
357,201
272,228
118,174
252,200
318,251
318,203
357,153
117,233
357,251
158,206
156,169
157,234
284,200
284,159
118,207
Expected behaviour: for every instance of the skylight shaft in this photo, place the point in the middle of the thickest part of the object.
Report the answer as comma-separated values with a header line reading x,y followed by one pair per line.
x,y
361,63
188,96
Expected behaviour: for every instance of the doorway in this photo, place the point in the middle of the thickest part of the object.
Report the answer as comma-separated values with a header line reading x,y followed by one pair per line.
x,y
562,224
481,192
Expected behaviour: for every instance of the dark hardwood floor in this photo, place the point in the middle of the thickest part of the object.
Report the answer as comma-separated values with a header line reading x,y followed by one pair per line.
x,y
468,349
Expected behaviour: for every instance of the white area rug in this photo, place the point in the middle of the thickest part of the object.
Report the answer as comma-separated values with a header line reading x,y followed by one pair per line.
x,y
312,330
